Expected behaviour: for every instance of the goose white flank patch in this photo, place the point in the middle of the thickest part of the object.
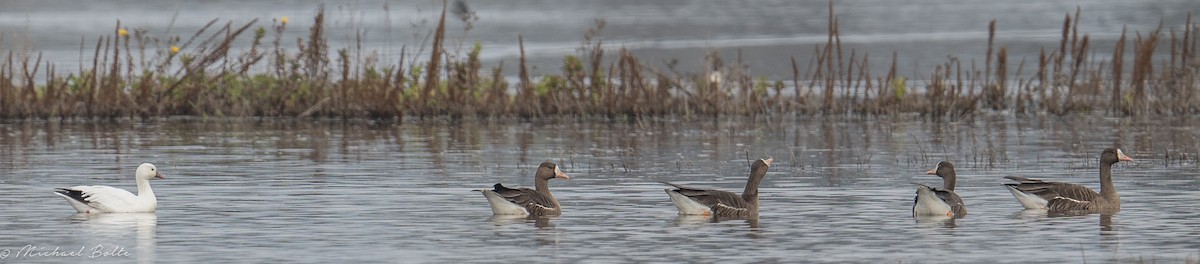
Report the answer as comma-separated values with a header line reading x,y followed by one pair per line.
x,y
695,201
107,199
937,202
929,204
524,201
1070,198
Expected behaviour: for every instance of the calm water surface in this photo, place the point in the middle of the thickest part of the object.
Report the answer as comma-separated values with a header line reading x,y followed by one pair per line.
x,y
840,190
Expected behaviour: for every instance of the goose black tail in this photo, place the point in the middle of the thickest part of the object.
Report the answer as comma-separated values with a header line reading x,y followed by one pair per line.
x,y
73,194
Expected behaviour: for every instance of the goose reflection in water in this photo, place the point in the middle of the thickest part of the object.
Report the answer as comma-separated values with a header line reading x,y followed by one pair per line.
x,y
113,226
544,232
936,220
538,221
701,220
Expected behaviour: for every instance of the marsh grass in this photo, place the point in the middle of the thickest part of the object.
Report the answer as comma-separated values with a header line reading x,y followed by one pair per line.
x,y
140,75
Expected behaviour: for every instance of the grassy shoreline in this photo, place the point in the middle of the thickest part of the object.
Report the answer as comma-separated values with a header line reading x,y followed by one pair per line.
x,y
202,75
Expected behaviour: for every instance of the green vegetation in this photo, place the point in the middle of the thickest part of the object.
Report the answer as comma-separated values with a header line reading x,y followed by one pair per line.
x,y
200,76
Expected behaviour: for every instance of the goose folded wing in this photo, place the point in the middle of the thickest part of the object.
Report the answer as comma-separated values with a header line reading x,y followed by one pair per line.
x,y
955,202
716,199
106,198
951,198
524,196
1045,190
1072,197
1058,195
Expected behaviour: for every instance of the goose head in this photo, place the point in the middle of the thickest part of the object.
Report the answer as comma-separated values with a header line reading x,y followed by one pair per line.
x,y
148,171
1113,155
943,169
760,166
549,170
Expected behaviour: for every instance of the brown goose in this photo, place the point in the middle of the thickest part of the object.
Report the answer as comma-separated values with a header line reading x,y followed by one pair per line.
x,y
1069,197
693,201
934,202
524,201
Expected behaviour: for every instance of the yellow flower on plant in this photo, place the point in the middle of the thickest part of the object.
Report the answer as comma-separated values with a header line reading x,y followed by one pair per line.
x,y
174,49
122,32
283,20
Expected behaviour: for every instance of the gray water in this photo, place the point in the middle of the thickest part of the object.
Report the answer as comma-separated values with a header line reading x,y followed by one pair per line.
x,y
923,33
840,190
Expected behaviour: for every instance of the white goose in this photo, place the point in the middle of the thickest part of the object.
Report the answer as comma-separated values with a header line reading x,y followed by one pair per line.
x,y
107,199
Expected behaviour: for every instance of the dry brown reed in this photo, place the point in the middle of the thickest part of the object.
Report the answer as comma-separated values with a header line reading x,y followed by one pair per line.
x,y
137,75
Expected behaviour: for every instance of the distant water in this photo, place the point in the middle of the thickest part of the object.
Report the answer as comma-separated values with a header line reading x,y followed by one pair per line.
x,y
767,33
840,190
